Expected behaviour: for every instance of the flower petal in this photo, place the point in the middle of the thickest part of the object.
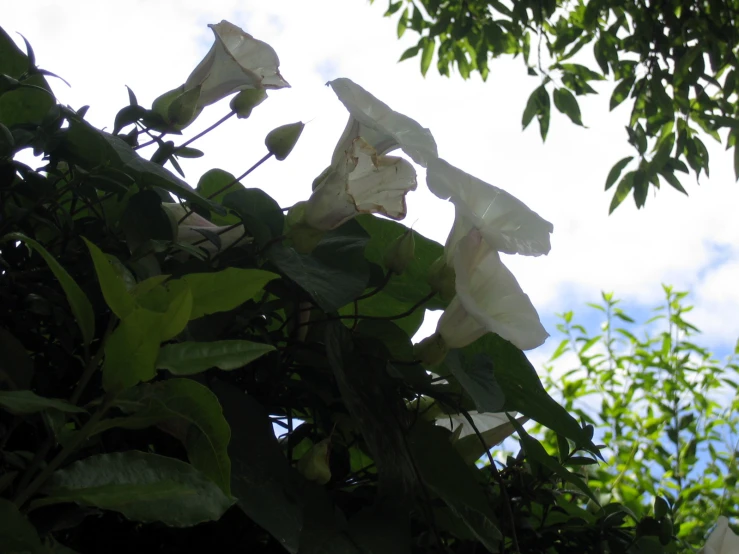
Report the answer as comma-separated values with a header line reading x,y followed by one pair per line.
x,y
380,126
505,222
722,539
235,62
483,421
363,183
489,299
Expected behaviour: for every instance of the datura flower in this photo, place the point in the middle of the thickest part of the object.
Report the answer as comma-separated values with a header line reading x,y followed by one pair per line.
x,y
360,181
489,299
722,539
197,231
382,128
235,62
484,421
506,224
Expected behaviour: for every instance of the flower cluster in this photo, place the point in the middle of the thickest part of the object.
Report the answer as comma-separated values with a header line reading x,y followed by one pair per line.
x,y
363,178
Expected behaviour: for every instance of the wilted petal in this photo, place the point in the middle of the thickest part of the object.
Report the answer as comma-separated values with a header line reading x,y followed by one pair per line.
x,y
384,129
722,539
489,299
235,62
505,222
363,183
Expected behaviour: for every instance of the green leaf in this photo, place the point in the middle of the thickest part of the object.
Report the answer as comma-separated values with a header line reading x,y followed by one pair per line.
x,y
173,300
533,106
476,374
212,186
188,411
81,307
537,453
145,220
225,290
736,161
268,489
409,53
17,535
131,350
427,54
621,92
523,390
143,487
115,292
335,273
262,216
188,358
405,290
24,105
16,366
448,476
544,114
28,402
566,103
622,191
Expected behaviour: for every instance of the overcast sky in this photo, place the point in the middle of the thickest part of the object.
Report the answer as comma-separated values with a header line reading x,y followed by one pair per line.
x,y
152,46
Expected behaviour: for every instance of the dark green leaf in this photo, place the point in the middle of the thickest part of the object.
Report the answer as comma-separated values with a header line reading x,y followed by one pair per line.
x,y
16,366
28,402
476,374
262,216
143,487
621,92
566,103
427,54
536,452
115,292
17,535
616,170
81,307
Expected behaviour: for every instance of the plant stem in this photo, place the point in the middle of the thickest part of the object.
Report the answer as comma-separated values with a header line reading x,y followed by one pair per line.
x,y
229,185
54,464
93,364
206,131
406,313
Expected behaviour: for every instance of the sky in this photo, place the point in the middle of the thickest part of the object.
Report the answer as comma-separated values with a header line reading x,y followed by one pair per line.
x,y
152,46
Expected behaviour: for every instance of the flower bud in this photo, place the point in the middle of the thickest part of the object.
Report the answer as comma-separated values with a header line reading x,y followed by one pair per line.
x,y
282,140
245,101
431,350
401,252
442,279
184,108
314,465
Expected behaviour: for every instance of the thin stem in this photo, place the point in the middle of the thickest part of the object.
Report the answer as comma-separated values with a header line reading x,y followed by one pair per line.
x,y
75,441
378,288
206,131
406,313
498,479
229,185
93,364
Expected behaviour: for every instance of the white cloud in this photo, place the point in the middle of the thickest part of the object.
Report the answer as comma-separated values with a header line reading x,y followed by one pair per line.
x,y
152,47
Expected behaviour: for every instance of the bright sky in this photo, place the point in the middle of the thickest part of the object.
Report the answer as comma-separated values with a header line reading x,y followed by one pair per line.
x,y
153,46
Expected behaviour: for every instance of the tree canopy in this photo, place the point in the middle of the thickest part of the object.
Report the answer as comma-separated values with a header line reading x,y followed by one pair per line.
x,y
674,60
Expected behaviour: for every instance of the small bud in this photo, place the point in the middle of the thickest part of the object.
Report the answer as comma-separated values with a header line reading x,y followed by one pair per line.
x,y
442,279
431,350
401,252
314,465
184,108
282,140
245,101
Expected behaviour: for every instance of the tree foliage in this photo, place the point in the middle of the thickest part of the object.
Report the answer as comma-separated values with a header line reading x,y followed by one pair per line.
x,y
663,405
675,61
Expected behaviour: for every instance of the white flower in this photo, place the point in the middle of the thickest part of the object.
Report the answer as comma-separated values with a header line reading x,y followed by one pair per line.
x,y
384,129
360,181
506,223
194,229
722,539
235,62
489,299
